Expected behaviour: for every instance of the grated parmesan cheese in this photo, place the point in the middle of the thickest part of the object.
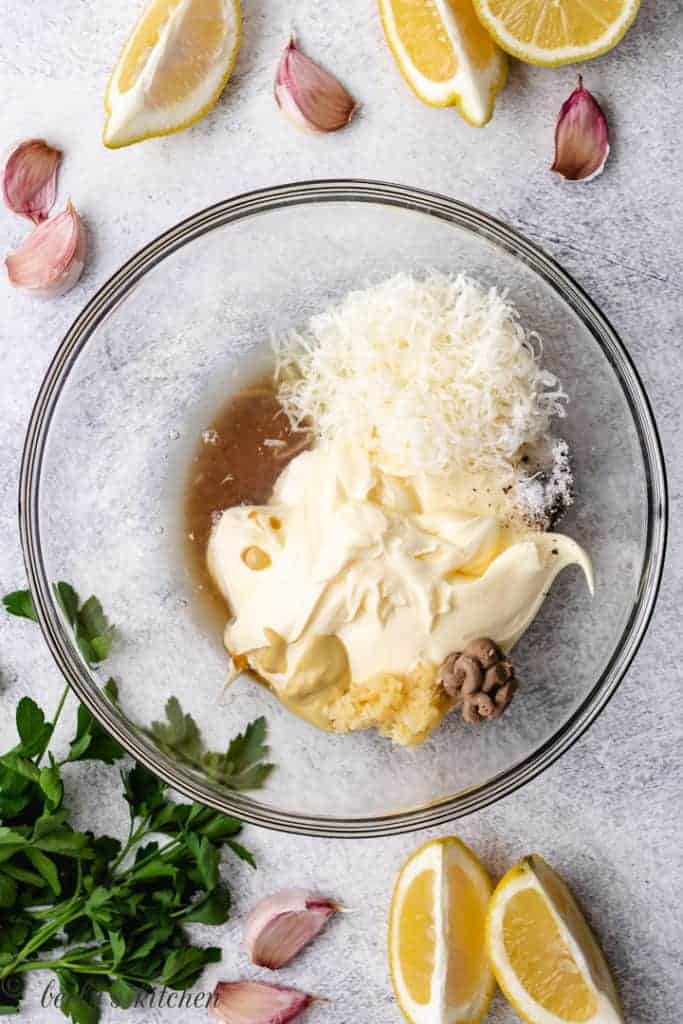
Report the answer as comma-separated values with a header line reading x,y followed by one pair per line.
x,y
426,375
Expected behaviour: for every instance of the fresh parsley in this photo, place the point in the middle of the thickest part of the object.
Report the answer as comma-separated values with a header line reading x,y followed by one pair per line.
x,y
241,767
102,914
93,632
20,603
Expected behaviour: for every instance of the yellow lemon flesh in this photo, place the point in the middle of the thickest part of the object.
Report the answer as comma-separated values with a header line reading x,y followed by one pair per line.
x,y
436,936
550,32
543,953
172,69
445,55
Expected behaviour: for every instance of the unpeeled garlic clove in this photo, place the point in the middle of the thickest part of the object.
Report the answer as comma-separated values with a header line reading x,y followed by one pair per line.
x,y
255,1002
29,183
581,137
309,95
52,258
281,925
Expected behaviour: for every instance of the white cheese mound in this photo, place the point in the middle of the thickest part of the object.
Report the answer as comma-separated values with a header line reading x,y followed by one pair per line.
x,y
429,375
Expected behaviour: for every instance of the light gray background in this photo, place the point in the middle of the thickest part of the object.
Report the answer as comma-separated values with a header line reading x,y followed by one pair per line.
x,y
607,815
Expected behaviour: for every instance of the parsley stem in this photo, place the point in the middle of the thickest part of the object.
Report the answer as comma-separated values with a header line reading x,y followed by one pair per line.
x,y
133,838
150,856
71,910
40,938
55,719
70,965
60,705
66,904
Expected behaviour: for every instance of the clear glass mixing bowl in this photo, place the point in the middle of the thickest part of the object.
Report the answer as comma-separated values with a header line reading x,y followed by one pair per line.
x,y
140,374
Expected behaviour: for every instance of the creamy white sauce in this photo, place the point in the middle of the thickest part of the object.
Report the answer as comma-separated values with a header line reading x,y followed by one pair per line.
x,y
400,570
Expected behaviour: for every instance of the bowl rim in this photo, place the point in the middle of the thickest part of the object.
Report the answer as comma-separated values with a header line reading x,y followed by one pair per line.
x,y
114,291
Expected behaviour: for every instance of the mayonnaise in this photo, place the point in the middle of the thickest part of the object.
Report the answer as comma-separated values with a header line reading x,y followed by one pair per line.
x,y
349,573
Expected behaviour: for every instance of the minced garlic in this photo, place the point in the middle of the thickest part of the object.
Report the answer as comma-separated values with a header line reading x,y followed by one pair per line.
x,y
403,708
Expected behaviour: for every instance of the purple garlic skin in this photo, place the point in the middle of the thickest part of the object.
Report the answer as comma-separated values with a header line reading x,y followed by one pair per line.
x,y
29,181
581,137
309,95
282,924
256,1002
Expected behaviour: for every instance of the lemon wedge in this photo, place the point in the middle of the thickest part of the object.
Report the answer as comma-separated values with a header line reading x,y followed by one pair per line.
x,y
172,69
543,953
436,936
445,55
550,32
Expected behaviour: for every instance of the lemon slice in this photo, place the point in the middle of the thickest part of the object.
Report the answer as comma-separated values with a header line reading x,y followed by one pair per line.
x,y
543,953
436,936
445,55
172,69
550,32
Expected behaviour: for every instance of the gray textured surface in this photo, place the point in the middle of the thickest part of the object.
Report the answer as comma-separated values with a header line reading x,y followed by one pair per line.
x,y
608,814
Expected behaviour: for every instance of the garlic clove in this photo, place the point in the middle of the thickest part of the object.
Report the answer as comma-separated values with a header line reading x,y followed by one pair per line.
x,y
29,183
281,925
309,95
581,137
52,258
255,1002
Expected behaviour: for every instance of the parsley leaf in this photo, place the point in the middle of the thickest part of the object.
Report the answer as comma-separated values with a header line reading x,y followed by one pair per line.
x,y
94,633
206,855
34,731
77,1000
241,767
45,867
50,782
143,791
183,966
241,852
214,908
179,733
68,600
20,603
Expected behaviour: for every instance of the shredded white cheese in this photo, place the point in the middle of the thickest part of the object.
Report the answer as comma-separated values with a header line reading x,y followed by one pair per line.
x,y
426,375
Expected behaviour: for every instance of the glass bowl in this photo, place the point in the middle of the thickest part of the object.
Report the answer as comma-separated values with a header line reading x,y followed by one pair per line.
x,y
141,373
